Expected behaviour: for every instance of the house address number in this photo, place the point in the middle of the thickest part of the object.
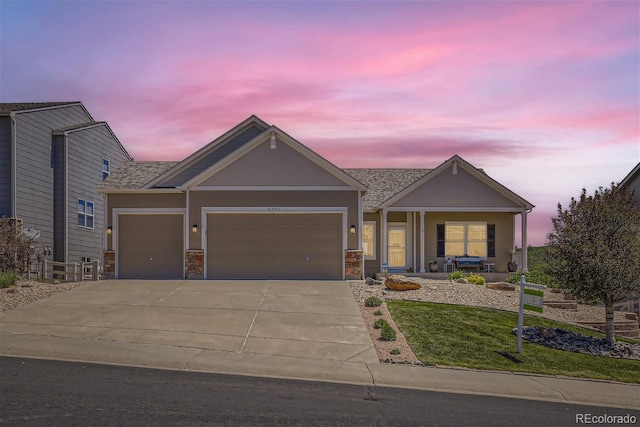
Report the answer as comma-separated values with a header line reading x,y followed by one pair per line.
x,y
273,209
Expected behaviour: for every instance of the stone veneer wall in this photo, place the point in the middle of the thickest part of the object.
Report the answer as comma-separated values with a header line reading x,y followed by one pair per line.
x,y
353,264
194,264
109,268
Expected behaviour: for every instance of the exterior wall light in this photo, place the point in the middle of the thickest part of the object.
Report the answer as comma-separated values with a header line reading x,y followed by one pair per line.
x,y
194,228
352,229
109,229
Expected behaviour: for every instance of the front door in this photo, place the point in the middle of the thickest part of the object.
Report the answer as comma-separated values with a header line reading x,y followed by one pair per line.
x,y
397,246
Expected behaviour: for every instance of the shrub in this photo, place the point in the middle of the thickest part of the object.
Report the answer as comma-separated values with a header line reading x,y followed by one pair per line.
x,y
373,301
476,279
380,323
377,313
8,279
532,277
458,274
387,333
395,351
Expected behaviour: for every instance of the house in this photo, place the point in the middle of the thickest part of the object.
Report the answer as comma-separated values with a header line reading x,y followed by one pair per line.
x,y
632,180
52,158
256,203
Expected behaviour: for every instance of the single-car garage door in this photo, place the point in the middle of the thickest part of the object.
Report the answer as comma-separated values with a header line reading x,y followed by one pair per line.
x,y
283,246
150,246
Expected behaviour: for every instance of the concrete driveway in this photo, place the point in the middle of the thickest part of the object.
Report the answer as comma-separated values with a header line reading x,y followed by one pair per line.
x,y
310,320
290,329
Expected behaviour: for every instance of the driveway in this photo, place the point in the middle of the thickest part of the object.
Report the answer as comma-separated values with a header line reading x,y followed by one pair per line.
x,y
306,320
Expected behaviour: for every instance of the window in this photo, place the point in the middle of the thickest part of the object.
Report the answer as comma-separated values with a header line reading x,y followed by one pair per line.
x,y
369,240
465,238
106,169
85,213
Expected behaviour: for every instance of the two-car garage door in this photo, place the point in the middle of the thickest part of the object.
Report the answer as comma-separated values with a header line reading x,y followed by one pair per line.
x,y
275,245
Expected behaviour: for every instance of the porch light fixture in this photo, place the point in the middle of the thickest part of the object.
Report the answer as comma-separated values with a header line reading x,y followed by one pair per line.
x,y
109,229
352,229
194,228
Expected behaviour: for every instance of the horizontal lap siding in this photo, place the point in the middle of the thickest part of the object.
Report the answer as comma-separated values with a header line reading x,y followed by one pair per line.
x,y
5,166
86,150
34,187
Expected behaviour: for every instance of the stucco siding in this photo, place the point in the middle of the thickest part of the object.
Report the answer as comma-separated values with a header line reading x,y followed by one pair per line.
x,y
34,186
86,150
459,190
5,166
283,166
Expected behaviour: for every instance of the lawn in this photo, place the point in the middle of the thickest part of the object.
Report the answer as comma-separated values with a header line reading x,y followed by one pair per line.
x,y
481,338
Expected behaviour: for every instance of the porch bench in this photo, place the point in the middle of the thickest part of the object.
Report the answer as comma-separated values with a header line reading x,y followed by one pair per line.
x,y
470,262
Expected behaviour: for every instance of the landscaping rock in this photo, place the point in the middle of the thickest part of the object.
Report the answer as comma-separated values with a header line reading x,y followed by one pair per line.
x,y
501,286
398,282
462,280
372,281
570,341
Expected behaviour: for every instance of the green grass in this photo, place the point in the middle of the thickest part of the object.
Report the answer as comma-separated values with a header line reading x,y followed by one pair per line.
x,y
481,338
8,279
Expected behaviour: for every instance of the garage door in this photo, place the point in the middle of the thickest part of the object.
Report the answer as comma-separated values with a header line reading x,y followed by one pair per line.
x,y
285,246
150,247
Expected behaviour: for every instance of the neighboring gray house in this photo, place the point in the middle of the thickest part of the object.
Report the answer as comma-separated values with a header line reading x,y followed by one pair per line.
x,y
52,158
632,180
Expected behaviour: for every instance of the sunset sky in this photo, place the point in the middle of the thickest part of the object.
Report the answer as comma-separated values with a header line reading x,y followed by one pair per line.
x,y
544,96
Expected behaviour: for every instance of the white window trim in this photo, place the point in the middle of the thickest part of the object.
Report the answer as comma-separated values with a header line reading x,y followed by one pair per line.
x,y
86,215
373,242
466,225
106,170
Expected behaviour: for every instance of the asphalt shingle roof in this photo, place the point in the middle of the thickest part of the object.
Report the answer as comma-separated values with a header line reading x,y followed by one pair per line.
x,y
384,183
18,106
134,175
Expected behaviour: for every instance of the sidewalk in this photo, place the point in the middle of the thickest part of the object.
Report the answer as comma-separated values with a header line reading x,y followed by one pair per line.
x,y
523,386
268,329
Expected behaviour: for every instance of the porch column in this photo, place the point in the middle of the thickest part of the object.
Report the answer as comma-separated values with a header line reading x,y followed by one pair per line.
x,y
384,249
524,241
422,270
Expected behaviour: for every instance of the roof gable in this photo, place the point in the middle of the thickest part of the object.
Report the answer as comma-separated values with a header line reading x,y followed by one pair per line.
x,y
457,184
211,154
632,176
274,159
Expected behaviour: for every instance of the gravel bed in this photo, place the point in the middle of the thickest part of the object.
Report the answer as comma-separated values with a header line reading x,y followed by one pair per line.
x,y
445,291
27,292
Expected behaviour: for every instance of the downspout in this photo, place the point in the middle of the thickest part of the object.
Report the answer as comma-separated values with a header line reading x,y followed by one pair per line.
x,y
66,197
14,174
361,231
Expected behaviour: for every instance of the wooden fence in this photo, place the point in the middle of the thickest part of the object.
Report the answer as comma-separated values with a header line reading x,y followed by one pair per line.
x,y
631,305
71,271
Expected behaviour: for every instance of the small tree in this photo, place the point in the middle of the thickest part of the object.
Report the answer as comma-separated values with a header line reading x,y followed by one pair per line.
x,y
15,247
595,248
